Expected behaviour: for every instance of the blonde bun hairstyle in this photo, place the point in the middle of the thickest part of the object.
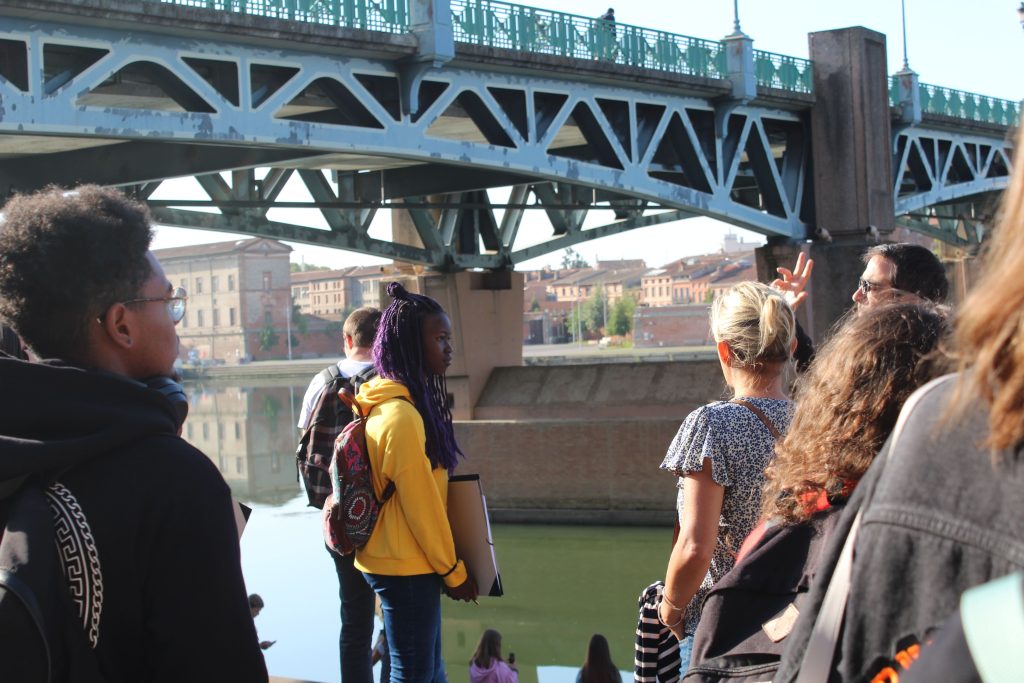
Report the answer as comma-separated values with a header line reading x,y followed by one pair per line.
x,y
756,322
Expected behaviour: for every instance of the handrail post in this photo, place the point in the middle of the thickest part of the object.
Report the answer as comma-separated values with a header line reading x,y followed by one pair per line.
x,y
739,61
431,23
908,96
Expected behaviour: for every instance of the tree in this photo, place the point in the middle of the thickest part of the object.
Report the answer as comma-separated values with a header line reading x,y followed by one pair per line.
x,y
620,319
268,338
300,323
577,322
595,308
305,267
534,306
572,259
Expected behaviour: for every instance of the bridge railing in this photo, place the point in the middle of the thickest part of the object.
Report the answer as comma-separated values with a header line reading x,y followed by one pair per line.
x,y
960,104
783,72
391,16
517,27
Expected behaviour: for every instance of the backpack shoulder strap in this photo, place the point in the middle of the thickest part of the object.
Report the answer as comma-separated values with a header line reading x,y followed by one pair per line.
x,y
760,416
365,375
330,373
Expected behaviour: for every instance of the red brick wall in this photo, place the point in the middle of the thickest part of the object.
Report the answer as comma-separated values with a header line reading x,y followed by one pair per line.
x,y
672,326
607,465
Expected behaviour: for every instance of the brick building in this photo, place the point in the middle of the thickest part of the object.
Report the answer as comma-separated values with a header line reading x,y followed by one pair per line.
x,y
327,294
239,298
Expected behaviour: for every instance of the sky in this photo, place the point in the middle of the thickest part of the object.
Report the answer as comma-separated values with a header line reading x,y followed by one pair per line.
x,y
974,46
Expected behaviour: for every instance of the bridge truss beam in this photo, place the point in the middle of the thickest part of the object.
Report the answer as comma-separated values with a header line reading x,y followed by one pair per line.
x,y
156,106
946,183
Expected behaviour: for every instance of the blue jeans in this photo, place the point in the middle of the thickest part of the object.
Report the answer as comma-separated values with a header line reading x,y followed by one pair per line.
x,y
356,639
412,620
685,654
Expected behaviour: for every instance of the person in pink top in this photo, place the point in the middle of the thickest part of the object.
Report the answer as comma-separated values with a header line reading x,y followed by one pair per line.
x,y
487,666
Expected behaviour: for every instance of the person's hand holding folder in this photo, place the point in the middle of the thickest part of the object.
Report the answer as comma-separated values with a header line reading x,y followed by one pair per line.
x,y
466,591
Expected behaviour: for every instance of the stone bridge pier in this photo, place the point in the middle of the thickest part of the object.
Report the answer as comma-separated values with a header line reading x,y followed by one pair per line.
x,y
854,207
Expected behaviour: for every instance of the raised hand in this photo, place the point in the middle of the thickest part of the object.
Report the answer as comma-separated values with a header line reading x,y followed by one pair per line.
x,y
793,282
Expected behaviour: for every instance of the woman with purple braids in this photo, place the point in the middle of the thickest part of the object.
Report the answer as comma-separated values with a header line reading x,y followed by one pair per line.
x,y
411,556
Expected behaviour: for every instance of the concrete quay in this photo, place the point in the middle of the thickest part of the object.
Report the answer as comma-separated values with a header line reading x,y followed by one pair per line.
x,y
560,444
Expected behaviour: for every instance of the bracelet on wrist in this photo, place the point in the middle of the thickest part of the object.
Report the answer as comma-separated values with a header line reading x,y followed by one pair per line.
x,y
676,622
672,606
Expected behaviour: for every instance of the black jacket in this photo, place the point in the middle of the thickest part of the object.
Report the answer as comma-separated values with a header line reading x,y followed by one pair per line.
x,y
151,537
940,515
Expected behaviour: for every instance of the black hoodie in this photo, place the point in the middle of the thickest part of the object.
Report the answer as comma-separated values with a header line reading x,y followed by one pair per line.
x,y
151,528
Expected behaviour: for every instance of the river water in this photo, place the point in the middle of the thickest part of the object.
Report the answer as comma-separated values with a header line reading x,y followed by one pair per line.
x,y
562,583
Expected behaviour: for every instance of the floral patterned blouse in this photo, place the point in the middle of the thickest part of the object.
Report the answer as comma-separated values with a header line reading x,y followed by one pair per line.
x,y
739,447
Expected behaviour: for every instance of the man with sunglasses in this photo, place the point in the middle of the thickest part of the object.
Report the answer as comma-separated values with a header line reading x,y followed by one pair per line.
x,y
894,272
145,526
908,273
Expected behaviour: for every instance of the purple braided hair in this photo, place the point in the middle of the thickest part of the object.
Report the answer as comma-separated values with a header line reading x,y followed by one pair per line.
x,y
398,356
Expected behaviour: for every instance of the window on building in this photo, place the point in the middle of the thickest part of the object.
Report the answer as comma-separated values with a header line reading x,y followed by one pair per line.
x,y
199,285
199,318
238,430
268,280
238,465
220,431
206,431
231,283
189,430
268,319
220,463
214,281
231,317
216,317
184,283
184,319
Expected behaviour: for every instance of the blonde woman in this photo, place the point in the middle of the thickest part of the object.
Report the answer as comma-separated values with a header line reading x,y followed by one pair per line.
x,y
722,449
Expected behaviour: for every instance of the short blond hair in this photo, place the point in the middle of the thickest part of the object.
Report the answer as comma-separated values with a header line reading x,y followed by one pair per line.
x,y
756,322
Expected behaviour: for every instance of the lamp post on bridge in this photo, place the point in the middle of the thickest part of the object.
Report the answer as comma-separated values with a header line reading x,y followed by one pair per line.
x,y
907,85
739,61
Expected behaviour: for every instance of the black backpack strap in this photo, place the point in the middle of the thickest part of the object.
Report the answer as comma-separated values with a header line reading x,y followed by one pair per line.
x,y
364,375
331,372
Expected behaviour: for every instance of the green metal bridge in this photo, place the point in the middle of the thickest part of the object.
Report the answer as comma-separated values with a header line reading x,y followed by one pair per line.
x,y
420,106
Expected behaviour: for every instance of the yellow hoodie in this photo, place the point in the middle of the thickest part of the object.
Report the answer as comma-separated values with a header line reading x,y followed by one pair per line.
x,y
412,535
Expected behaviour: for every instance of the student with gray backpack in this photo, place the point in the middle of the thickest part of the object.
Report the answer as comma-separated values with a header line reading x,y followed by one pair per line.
x,y
323,417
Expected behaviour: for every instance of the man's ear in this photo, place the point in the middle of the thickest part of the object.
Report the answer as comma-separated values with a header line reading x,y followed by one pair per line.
x,y
350,343
116,323
724,352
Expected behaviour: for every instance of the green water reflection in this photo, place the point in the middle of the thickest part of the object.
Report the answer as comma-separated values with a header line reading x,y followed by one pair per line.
x,y
562,584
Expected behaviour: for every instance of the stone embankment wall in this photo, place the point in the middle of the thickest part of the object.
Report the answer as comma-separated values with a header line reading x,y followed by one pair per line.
x,y
582,444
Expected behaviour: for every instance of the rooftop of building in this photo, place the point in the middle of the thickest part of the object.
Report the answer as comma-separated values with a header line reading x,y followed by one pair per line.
x,y
221,249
